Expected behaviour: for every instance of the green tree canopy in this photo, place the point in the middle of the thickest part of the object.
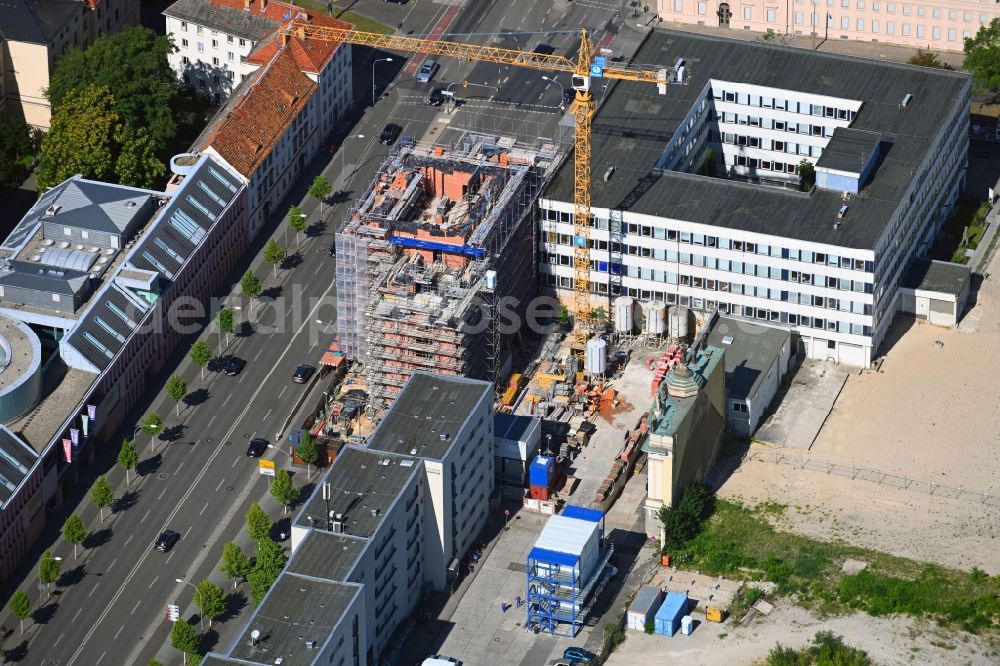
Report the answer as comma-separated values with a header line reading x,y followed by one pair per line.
x,y
283,490
297,221
48,570
133,63
177,388
81,138
137,164
185,638
250,284
258,523
20,606
200,355
982,57
234,564
210,600
807,176
274,254
128,458
270,561
320,190
152,425
74,532
308,451
683,521
928,59
227,323
16,145
101,494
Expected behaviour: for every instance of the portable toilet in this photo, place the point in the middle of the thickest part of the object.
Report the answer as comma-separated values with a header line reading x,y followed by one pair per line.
x,y
668,619
687,625
542,471
643,607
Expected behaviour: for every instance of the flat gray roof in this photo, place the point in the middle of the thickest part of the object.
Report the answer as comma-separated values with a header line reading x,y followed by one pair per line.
x,y
750,350
297,609
326,555
941,276
849,149
363,485
428,413
634,125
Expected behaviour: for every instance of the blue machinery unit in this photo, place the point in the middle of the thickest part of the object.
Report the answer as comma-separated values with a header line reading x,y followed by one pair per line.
x,y
561,586
475,252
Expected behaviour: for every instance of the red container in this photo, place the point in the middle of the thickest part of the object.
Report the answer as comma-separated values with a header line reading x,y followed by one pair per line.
x,y
539,493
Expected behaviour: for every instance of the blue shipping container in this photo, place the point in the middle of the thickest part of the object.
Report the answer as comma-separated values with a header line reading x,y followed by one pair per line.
x,y
668,619
541,471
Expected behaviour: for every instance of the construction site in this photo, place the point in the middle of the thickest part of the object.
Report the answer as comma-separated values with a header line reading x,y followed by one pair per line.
x,y
431,249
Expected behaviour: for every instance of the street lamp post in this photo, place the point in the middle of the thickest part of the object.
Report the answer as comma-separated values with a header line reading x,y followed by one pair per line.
x,y
181,580
343,151
373,75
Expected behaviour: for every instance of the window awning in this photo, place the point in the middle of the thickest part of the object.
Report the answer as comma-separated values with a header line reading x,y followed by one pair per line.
x,y
333,356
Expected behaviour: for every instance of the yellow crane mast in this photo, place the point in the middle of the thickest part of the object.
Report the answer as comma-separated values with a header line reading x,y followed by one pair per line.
x,y
581,72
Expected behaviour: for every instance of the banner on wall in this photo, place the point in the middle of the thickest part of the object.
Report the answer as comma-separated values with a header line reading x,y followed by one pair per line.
x,y
85,420
68,450
74,436
92,412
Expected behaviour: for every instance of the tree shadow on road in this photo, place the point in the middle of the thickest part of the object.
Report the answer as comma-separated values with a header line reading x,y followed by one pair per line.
x,y
195,398
209,640
291,261
44,614
341,196
98,538
172,433
316,229
72,576
235,603
150,465
125,502
17,653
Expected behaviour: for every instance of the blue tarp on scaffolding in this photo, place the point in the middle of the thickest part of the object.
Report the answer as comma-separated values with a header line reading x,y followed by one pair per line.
x,y
583,513
476,252
544,555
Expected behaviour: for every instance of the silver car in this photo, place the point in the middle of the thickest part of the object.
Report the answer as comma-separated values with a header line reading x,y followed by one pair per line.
x,y
427,70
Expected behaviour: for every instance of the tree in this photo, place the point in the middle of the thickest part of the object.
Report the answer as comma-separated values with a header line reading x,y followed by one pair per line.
x,y
928,59
227,324
308,451
320,189
982,57
177,388
274,254
250,284
708,166
48,570
807,176
153,662
101,494
74,532
235,564
133,63
283,490
210,600
16,146
20,606
81,138
258,523
200,355
137,164
297,221
152,425
270,561
128,458
682,522
185,638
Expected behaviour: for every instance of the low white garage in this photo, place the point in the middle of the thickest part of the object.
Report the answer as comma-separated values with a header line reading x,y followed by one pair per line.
x,y
935,291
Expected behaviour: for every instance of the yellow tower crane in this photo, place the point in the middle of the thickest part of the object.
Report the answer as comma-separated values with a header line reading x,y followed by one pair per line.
x,y
586,68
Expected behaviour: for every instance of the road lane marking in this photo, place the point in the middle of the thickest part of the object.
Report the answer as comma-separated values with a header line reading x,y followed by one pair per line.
x,y
234,462
112,565
136,606
145,517
150,583
169,556
204,507
258,354
221,481
180,503
129,538
160,496
179,467
227,399
77,614
119,633
101,657
94,589
212,421
285,388
268,414
57,640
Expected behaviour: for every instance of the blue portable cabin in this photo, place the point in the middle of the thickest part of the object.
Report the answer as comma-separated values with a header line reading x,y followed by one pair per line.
x,y
667,621
542,471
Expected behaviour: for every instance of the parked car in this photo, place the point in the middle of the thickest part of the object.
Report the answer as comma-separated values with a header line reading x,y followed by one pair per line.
x,y
234,366
166,540
302,374
427,70
257,447
436,98
578,655
389,134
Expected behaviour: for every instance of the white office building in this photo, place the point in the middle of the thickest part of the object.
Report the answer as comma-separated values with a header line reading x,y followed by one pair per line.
x,y
388,521
887,143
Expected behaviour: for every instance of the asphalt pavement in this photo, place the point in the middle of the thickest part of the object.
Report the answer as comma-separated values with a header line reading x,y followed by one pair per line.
x,y
111,605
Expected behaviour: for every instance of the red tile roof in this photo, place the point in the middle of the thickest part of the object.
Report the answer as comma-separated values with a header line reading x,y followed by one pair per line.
x,y
255,124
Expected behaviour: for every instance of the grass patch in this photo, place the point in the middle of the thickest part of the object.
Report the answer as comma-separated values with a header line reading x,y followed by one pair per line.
x,y
741,542
360,21
969,215
826,650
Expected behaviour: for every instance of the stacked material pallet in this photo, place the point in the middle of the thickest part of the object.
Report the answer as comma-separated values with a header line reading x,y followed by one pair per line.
x,y
670,360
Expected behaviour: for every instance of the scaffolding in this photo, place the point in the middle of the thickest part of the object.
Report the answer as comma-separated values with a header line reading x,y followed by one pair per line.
x,y
427,255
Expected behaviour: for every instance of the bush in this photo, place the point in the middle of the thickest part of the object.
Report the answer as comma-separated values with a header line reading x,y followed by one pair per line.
x,y
826,649
649,627
683,522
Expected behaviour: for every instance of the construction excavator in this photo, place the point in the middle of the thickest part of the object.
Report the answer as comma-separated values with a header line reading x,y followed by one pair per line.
x,y
587,67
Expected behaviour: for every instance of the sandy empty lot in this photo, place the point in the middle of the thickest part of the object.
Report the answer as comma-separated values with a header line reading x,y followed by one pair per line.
x,y
930,415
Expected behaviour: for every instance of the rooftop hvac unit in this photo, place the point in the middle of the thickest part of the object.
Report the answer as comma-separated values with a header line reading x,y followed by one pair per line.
x,y
842,212
608,173
338,527
52,210
906,101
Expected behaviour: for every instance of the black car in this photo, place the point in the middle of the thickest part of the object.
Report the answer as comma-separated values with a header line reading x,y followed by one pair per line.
x,y
166,540
234,366
302,374
333,250
389,134
256,448
436,97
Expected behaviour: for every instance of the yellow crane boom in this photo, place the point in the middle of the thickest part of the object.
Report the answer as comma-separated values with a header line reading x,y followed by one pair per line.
x,y
583,109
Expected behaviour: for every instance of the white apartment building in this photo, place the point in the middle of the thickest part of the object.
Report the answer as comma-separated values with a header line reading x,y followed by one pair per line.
x,y
938,25
888,144
388,522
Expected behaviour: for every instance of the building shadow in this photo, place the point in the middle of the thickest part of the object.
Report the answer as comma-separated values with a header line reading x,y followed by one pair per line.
x,y
900,325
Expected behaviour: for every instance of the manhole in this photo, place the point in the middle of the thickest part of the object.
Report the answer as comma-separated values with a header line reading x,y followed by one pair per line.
x,y
53,662
228,444
229,487
161,475
246,436
209,439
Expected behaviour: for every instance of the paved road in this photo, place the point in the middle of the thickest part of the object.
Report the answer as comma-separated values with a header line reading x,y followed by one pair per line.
x,y
201,483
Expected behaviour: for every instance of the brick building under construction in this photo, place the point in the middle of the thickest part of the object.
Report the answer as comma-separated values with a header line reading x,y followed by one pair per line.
x,y
426,257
